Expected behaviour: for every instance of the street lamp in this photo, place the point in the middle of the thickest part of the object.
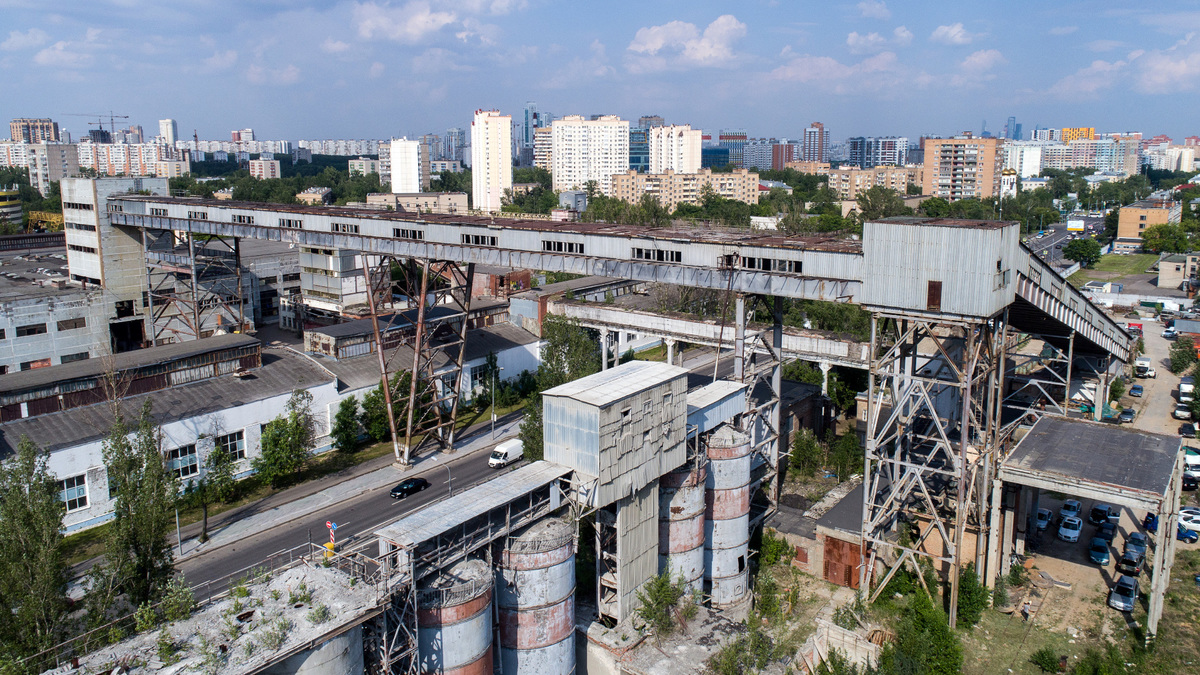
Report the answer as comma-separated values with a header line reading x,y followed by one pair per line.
x,y
494,402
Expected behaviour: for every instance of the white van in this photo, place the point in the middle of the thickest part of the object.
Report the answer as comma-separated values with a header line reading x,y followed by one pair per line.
x,y
1191,464
506,453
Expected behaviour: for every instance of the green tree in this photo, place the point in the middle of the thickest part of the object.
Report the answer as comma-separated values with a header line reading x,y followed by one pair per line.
x,y
1086,252
881,202
924,642
344,431
1111,219
374,408
807,454
287,441
33,575
1166,238
1116,389
935,207
138,559
972,597
569,352
1182,354
658,598
215,485
845,454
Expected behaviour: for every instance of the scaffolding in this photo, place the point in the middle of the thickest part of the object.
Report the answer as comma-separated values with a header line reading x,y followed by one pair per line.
x,y
194,285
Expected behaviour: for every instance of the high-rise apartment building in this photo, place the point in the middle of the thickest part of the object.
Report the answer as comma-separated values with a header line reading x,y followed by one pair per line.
x,y
241,135
816,144
674,148
756,154
491,159
963,167
869,151
434,143
34,130
1075,133
543,148
531,124
50,162
1046,135
168,130
406,166
265,168
588,150
456,140
783,152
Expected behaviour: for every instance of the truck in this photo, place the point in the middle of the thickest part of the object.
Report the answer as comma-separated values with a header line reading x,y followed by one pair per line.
x,y
1142,368
1187,389
506,453
1076,225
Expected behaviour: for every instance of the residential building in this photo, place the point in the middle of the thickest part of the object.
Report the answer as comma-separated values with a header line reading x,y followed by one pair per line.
x,y
756,154
340,147
869,151
168,131
733,140
301,155
49,163
672,189
438,166
265,168
639,150
650,121
1167,157
543,148
434,144
242,135
816,144
1051,135
1136,218
849,183
783,152
1025,157
315,196
406,165
34,130
364,166
421,202
1178,271
588,150
172,168
491,159
1075,133
814,168
674,148
531,124
123,159
962,167
456,140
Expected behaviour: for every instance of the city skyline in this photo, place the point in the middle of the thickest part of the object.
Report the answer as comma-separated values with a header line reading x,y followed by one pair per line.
x,y
380,69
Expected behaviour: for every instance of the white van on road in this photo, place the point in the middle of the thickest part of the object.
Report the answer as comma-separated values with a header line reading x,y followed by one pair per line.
x,y
506,453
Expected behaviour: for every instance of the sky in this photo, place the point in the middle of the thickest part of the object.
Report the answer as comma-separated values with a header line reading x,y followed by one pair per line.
x,y
303,69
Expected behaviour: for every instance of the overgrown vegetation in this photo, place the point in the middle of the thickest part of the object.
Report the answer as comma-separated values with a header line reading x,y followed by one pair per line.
x,y
972,597
287,441
569,352
1182,354
659,600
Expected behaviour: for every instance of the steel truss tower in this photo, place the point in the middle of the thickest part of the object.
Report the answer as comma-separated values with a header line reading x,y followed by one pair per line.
x,y
194,285
767,417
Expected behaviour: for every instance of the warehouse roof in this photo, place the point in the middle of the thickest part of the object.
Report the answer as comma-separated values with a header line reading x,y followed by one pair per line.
x,y
609,386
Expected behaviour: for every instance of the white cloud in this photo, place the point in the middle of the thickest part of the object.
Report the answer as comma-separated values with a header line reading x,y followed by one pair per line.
x,y
409,23
682,44
902,36
873,74
63,55
583,69
983,60
331,46
1063,30
1090,81
1104,45
490,6
27,40
954,34
438,60
1168,71
375,70
257,74
865,44
221,60
874,10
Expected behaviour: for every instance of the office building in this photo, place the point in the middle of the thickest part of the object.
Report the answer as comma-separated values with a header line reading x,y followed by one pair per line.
x,y
674,148
265,168
869,151
672,189
815,147
963,167
168,131
491,159
1075,133
639,150
420,202
588,150
733,140
456,140
34,130
650,121
406,165
530,126
714,158
1012,129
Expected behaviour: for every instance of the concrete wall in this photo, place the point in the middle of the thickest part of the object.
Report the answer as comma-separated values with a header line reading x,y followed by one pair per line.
x,y
48,348
340,654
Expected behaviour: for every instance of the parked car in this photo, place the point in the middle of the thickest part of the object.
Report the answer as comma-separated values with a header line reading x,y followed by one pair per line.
x,y
1124,593
1126,416
1189,482
1103,513
1070,509
1044,516
1182,412
1107,532
1131,565
1070,528
1136,544
1185,535
1189,519
1170,333
1187,430
1098,551
1136,391
409,486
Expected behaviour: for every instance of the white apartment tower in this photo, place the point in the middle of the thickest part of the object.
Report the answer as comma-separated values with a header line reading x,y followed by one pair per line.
x,y
169,131
675,148
491,158
588,150
406,166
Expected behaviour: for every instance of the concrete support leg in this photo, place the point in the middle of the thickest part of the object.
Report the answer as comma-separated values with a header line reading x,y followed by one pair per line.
x,y
603,349
670,351
825,367
992,559
739,340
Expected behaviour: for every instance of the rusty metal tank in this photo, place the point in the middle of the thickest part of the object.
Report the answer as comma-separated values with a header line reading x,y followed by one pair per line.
x,y
727,517
681,507
535,593
454,621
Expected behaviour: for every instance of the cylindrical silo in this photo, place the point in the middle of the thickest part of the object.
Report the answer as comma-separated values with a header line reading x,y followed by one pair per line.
x,y
727,516
454,621
681,507
535,592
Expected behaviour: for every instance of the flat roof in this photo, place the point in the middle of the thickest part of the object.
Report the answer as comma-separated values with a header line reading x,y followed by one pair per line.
x,y
846,514
614,384
573,285
281,372
41,377
23,272
1094,455
452,512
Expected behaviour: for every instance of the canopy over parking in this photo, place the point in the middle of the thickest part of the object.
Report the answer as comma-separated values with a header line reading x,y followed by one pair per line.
x,y
1120,466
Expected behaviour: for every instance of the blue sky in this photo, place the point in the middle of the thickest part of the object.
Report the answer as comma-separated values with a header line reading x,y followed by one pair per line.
x,y
306,69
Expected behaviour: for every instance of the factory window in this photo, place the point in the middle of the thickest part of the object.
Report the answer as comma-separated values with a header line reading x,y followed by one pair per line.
x,y
347,228
82,249
562,247
478,240
657,255
197,215
77,206
71,324
158,212
71,358
115,208
400,233
73,492
292,223
31,329
2,335
34,365
81,226
183,461
234,444
242,220
933,297
295,276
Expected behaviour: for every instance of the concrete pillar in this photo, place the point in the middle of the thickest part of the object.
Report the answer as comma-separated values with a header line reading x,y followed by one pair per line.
x,y
739,340
603,349
670,351
825,366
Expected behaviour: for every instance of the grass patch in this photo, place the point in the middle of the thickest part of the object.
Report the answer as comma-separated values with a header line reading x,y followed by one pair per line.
x,y
1177,649
1114,267
1003,643
658,353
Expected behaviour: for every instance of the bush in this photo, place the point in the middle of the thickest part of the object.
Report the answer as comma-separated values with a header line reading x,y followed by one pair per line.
x,y
145,617
1000,594
178,601
1046,659
1017,576
658,597
972,597
773,548
1182,354
924,642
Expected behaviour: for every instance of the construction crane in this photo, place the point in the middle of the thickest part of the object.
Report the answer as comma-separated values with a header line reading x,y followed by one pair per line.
x,y
112,119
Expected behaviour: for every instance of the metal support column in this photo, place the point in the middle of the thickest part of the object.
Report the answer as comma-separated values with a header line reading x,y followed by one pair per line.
x,y
739,339
603,349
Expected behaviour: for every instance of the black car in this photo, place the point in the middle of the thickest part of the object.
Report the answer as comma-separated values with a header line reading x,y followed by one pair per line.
x,y
1188,430
409,486
1103,513
1130,564
1107,532
1189,482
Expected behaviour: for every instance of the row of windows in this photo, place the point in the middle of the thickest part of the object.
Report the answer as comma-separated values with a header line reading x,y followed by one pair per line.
x,y
242,220
773,265
31,329
399,233
197,215
77,206
82,249
71,358
347,228
562,247
81,226
657,255
478,240
294,276
158,212
183,461
293,223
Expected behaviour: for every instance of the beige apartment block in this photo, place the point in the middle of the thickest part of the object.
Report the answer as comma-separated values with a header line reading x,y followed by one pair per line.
x,y
673,189
1134,219
963,167
420,202
849,183
817,168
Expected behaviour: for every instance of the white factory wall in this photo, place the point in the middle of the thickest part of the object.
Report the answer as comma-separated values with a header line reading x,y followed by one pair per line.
x,y
90,339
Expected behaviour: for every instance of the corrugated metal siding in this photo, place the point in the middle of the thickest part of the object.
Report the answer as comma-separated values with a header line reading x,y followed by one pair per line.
x,y
191,374
43,406
571,434
637,545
